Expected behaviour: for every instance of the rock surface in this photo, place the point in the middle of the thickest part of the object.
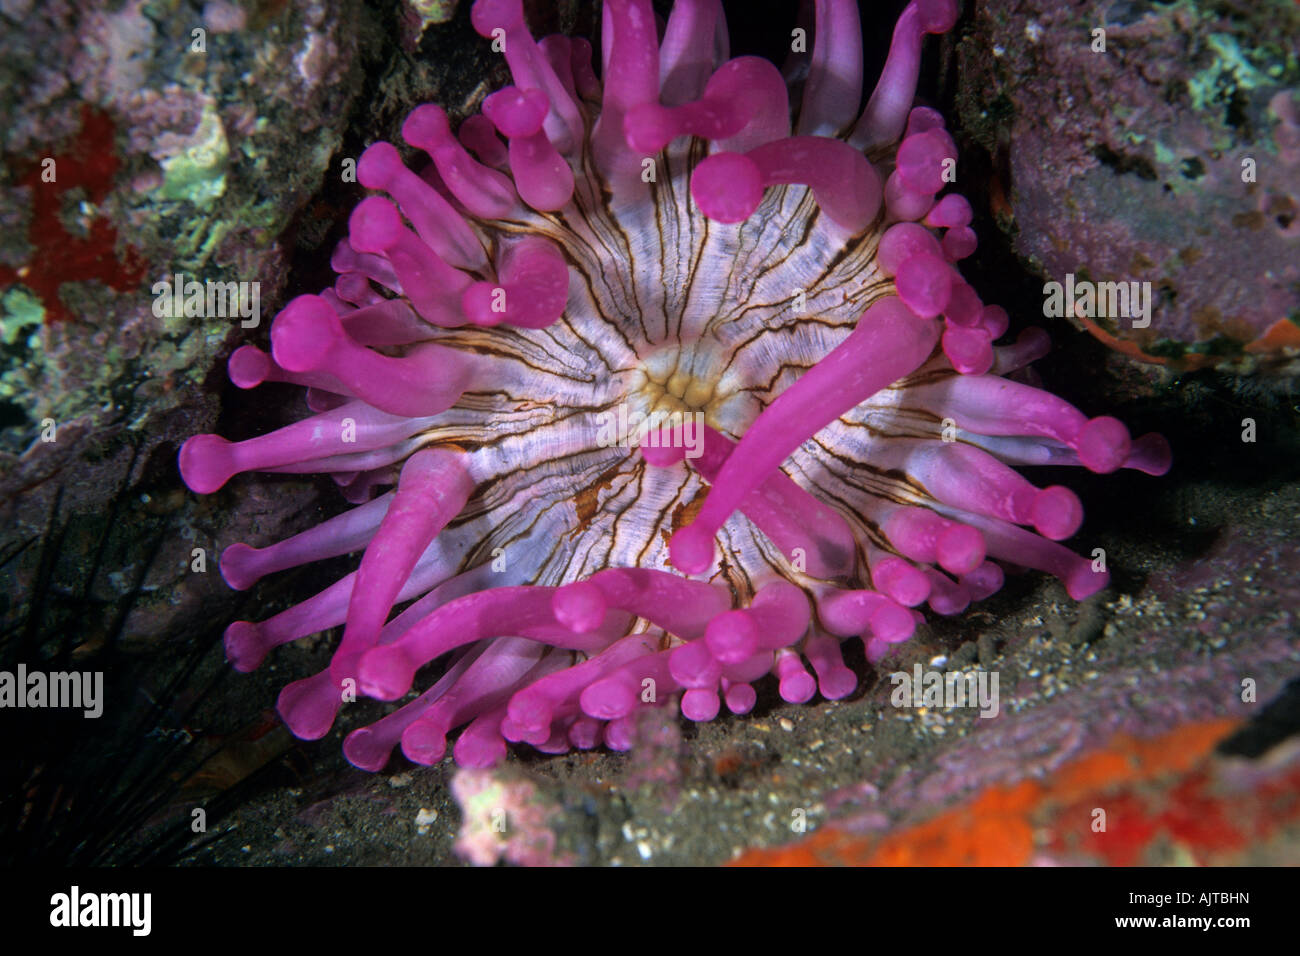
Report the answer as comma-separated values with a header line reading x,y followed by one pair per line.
x,y
1154,143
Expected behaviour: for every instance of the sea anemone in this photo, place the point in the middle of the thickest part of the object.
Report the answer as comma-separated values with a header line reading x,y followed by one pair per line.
x,y
824,431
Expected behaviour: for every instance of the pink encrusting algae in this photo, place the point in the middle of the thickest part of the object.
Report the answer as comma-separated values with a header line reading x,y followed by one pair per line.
x,y
831,429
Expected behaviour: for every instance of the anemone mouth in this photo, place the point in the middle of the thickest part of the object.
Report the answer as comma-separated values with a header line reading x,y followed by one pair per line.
x,y
682,379
674,393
